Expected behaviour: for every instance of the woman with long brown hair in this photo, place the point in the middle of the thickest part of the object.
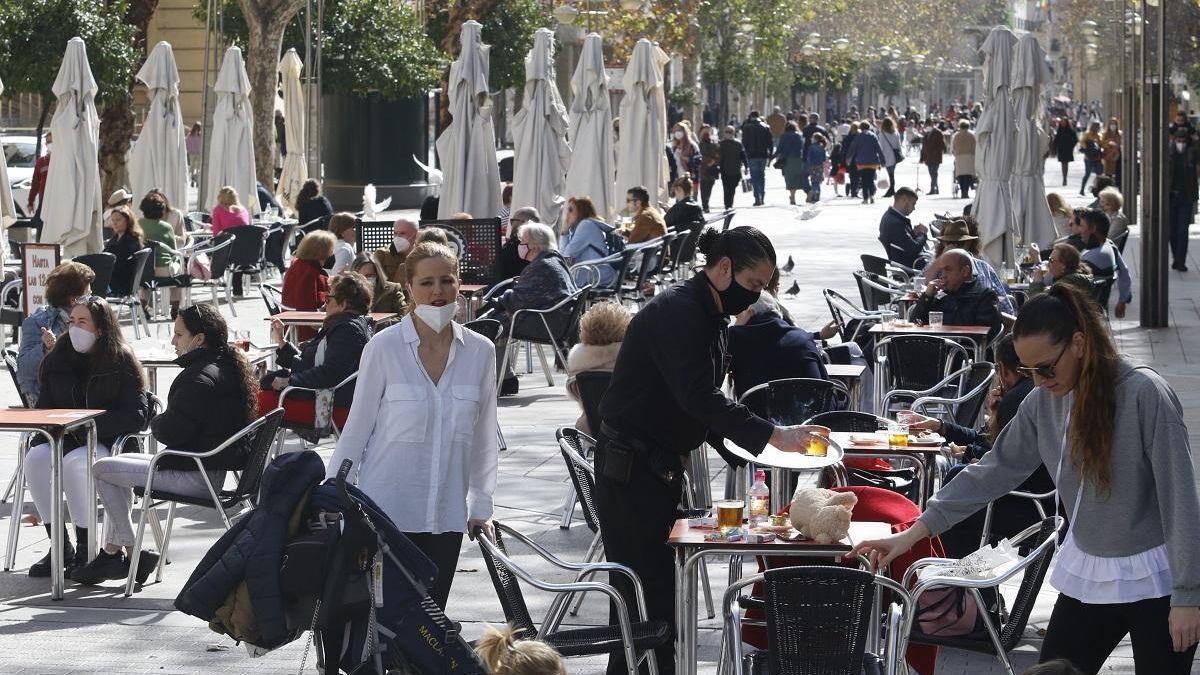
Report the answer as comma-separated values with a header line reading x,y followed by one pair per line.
x,y
1113,437
127,239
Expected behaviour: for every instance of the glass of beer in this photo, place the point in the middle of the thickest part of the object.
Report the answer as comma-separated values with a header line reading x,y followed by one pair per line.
x,y
729,514
898,435
817,446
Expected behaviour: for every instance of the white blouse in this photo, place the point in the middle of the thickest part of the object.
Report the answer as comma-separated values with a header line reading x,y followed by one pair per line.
x,y
425,453
343,257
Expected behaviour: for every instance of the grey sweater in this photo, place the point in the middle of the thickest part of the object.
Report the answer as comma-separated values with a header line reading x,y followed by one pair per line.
x,y
1153,498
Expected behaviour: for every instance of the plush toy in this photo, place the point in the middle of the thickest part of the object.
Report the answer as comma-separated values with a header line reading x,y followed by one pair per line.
x,y
822,515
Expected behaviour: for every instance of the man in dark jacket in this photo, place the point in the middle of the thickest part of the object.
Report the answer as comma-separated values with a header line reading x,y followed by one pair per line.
x,y
902,242
763,346
962,300
933,149
1181,165
733,158
756,137
813,127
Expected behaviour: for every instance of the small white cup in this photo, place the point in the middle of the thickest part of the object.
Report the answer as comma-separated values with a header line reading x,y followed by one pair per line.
x,y
935,319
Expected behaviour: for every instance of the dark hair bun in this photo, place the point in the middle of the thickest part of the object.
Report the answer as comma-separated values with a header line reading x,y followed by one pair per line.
x,y
708,240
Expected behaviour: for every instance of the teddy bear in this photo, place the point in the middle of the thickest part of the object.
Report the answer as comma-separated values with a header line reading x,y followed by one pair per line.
x,y
822,515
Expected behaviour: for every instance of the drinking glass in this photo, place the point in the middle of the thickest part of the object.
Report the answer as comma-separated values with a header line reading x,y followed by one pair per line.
x,y
163,333
729,514
898,435
935,319
242,340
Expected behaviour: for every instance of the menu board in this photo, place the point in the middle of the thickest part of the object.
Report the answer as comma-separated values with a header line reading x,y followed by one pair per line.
x,y
38,259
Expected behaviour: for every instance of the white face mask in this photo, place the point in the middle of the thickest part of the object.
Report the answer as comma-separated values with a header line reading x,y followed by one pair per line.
x,y
401,244
1112,127
437,318
1180,146
82,339
679,135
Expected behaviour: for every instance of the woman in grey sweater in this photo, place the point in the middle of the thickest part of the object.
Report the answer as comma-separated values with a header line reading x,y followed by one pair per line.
x,y
1114,438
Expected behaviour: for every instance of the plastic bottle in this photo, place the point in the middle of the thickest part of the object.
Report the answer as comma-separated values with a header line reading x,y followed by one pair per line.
x,y
759,498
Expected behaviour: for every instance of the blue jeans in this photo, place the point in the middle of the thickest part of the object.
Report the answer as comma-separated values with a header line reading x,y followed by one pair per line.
x,y
933,176
816,174
758,178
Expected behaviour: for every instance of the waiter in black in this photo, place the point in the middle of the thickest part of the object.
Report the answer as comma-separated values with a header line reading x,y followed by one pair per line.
x,y
664,401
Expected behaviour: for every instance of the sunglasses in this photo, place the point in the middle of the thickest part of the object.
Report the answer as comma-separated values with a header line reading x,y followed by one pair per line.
x,y
1045,372
88,299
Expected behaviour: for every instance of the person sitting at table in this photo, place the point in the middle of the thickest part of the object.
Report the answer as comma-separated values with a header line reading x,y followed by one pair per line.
x,y
1102,255
542,285
344,227
1065,266
324,361
1110,202
601,331
92,368
903,242
306,283
584,239
41,329
1010,515
685,214
964,301
763,346
311,204
211,399
1060,213
387,297
160,236
127,240
390,259
647,221
266,200
173,217
229,212
961,234
511,262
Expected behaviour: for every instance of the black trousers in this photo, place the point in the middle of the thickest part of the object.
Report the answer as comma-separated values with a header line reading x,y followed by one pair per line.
x,y
637,517
730,182
443,550
1085,634
964,186
706,186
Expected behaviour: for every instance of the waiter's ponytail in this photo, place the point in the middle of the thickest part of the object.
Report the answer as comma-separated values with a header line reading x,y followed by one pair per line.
x,y
744,246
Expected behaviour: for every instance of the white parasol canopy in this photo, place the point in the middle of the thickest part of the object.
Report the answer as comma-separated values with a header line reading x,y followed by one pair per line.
x,y
295,163
231,147
467,148
642,142
158,158
995,149
71,210
1030,210
8,213
540,151
593,164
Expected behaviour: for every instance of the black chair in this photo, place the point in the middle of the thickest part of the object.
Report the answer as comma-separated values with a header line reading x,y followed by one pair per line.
x,y
876,291
489,328
193,219
373,234
644,260
557,326
247,256
575,447
959,397
1102,290
259,437
850,421
272,298
480,239
791,401
10,362
915,363
278,247
102,265
1120,240
683,253
218,251
997,640
140,261
818,620
592,384
316,224
621,262
636,636
12,308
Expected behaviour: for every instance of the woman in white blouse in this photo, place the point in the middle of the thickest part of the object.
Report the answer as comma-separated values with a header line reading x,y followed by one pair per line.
x,y
422,427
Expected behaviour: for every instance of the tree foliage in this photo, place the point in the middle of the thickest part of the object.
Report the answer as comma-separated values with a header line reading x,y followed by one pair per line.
x,y
34,34
366,49
508,28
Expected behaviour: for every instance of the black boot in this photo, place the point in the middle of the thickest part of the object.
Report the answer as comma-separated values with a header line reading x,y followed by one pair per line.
x,y
81,551
41,568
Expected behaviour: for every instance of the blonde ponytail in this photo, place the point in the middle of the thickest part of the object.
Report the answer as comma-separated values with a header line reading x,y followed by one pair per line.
x,y
505,655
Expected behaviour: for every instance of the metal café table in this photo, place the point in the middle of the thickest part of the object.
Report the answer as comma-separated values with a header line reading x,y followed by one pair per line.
x,y
849,374
155,359
690,548
977,335
294,317
469,291
924,455
53,424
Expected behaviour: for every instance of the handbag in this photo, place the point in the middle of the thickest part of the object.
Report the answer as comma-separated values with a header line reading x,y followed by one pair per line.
x,y
899,156
779,162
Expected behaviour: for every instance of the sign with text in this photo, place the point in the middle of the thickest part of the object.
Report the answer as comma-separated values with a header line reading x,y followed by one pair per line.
x,y
39,259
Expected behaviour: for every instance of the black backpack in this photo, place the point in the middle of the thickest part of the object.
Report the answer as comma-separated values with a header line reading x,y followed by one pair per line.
x,y
1091,150
613,241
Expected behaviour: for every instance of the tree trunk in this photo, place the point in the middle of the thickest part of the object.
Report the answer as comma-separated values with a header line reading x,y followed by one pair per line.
x,y
116,118
267,20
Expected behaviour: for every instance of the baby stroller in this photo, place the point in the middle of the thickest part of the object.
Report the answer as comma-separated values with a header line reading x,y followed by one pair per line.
x,y
363,591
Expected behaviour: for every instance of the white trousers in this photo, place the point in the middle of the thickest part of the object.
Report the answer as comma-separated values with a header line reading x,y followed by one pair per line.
x,y
74,466
117,476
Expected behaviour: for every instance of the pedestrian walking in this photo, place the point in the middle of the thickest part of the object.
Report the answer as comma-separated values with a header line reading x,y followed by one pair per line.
x,y
756,138
848,160
790,159
1181,201
962,146
1090,145
868,157
816,157
1065,140
933,148
777,122
686,151
893,153
194,144
710,164
733,159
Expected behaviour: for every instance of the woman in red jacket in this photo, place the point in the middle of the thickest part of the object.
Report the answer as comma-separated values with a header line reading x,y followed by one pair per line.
x,y
306,283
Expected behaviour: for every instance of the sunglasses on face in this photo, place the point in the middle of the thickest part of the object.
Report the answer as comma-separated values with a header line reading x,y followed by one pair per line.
x,y
1045,372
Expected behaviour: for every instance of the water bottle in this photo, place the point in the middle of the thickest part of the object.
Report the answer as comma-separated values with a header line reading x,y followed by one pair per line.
x,y
759,497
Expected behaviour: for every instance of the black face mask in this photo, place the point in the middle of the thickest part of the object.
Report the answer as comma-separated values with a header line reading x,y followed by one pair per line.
x,y
735,299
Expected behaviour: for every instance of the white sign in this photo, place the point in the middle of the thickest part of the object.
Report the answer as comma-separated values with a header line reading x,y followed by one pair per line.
x,y
39,260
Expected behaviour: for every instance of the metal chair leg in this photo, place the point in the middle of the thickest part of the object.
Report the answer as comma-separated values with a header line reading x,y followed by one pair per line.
x,y
595,552
229,294
147,504
545,365
568,507
18,506
166,543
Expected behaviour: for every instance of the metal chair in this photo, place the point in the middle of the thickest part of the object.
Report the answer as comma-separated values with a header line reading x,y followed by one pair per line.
x,y
636,638
557,326
966,408
490,329
191,219
248,253
1003,638
574,446
272,298
1037,500
915,363
1120,240
132,301
793,400
259,435
1102,290
647,259
286,426
682,254
102,265
877,291
278,248
218,251
10,362
818,621
592,385
853,322
883,267
12,308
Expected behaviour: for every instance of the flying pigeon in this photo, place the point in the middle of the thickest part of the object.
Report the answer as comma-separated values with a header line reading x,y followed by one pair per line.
x,y
794,290
435,175
370,208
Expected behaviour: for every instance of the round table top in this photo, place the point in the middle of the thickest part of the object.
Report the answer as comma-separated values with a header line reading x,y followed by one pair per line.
x,y
773,457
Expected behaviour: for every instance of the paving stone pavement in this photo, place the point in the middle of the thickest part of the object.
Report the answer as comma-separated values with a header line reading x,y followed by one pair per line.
x,y
95,630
